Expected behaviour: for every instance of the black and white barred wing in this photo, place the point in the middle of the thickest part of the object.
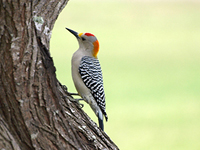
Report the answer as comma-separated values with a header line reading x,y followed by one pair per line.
x,y
90,71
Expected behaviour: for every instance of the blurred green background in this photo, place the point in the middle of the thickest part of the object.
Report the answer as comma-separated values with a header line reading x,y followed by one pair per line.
x,y
150,57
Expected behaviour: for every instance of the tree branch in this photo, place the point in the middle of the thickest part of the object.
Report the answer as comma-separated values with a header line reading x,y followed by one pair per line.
x,y
36,111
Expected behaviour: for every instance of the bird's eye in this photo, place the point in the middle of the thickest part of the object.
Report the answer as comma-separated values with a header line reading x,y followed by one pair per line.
x,y
83,39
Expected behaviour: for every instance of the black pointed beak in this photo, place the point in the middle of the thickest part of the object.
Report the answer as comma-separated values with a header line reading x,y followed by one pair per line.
x,y
73,32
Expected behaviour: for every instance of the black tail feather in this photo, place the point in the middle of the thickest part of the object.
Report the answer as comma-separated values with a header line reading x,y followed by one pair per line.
x,y
101,123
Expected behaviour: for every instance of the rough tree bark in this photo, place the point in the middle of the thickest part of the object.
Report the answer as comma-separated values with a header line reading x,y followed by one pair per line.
x,y
34,112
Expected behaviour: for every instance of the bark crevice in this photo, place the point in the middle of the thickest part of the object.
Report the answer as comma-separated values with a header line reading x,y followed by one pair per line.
x,y
36,111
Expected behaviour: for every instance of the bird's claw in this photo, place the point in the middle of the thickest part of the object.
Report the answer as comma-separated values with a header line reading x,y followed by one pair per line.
x,y
77,101
73,94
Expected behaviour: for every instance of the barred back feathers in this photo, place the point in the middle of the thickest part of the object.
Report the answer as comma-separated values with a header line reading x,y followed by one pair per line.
x,y
90,71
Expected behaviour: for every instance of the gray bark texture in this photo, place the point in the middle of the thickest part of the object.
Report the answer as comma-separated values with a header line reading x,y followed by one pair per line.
x,y
35,109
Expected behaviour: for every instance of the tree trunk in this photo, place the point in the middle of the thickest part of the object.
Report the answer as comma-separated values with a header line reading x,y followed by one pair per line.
x,y
35,109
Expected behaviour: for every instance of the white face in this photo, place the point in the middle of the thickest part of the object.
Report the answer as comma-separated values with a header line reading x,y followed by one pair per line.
x,y
89,42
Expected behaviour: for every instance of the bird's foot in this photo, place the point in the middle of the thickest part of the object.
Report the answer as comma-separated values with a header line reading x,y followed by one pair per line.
x,y
69,96
76,94
77,101
68,93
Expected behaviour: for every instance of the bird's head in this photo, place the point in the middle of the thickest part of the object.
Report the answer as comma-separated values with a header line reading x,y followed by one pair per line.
x,y
87,41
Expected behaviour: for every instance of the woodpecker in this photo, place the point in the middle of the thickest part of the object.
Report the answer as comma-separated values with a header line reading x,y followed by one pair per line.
x,y
87,74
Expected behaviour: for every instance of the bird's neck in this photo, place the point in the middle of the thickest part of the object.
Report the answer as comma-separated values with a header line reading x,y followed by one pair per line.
x,y
89,49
